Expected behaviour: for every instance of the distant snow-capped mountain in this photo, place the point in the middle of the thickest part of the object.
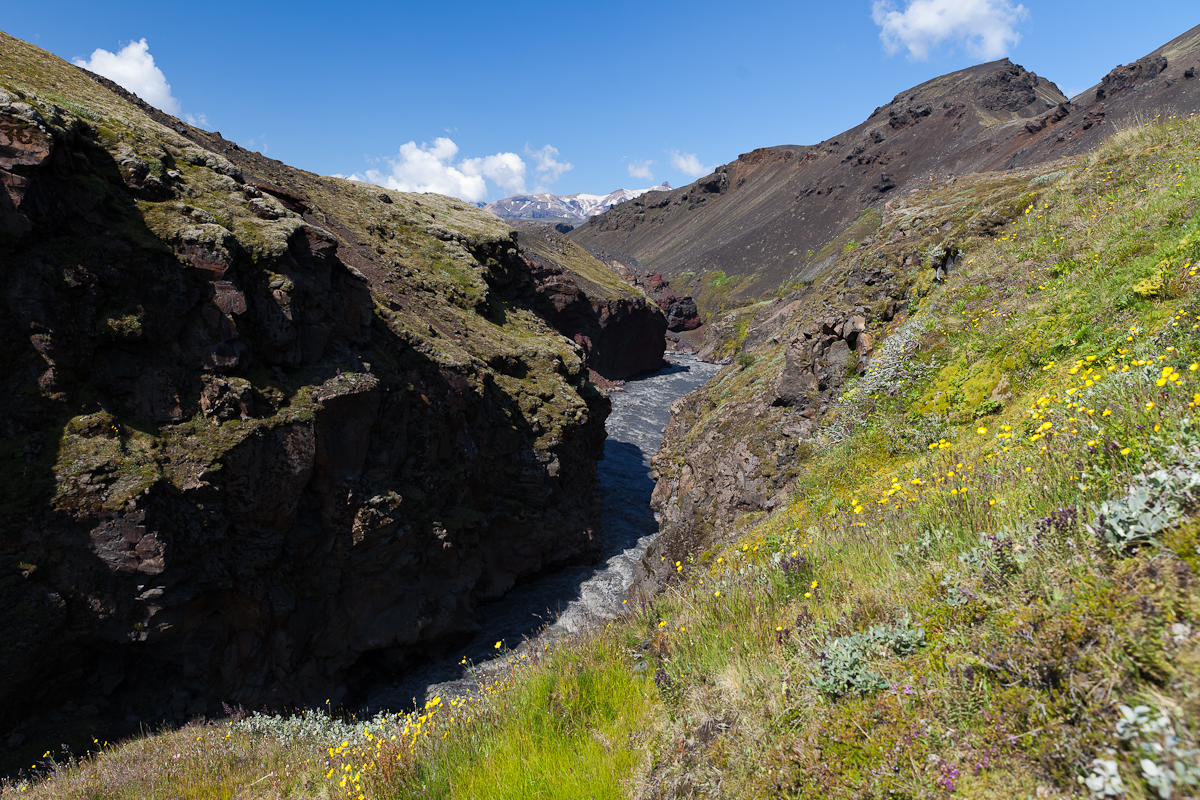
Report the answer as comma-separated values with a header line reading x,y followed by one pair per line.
x,y
572,206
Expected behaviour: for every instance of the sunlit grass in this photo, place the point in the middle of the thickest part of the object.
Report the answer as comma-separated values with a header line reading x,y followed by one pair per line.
x,y
1101,365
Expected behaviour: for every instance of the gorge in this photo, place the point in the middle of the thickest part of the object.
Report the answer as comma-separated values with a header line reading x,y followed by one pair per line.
x,y
918,515
260,423
560,603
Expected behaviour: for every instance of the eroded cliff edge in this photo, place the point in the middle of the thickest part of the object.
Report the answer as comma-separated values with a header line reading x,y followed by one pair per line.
x,y
263,431
621,330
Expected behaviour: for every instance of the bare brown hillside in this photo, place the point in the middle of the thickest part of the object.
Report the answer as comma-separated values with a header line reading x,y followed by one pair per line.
x,y
764,220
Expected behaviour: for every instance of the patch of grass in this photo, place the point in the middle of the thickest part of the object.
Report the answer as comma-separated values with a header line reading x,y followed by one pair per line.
x,y
570,729
543,722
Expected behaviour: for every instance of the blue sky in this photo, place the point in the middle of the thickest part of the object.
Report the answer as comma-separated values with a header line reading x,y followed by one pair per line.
x,y
482,99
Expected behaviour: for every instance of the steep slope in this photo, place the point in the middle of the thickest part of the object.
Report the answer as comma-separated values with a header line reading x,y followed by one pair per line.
x,y
1160,84
265,433
762,219
621,330
966,538
767,220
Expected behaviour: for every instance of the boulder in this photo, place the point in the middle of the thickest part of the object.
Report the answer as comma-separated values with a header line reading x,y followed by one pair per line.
x,y
796,384
225,398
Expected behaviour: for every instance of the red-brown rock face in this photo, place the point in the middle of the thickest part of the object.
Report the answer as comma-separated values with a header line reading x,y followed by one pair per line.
x,y
24,144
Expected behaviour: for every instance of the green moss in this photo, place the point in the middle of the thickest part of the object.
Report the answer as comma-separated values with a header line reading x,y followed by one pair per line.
x,y
1149,286
120,327
102,464
961,388
1184,541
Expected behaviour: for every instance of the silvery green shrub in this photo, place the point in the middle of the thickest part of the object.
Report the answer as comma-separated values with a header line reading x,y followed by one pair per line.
x,y
845,664
1156,501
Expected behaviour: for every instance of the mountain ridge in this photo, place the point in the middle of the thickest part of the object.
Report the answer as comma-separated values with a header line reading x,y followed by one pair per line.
x,y
546,207
762,220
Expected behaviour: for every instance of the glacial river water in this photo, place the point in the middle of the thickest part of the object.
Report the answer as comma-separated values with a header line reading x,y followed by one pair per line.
x,y
568,600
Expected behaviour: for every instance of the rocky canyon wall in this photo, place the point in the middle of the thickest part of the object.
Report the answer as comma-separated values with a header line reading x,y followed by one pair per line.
x,y
264,433
621,329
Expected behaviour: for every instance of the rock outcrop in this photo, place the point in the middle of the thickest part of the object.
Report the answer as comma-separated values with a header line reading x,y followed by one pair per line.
x,y
680,310
620,330
265,433
24,144
821,357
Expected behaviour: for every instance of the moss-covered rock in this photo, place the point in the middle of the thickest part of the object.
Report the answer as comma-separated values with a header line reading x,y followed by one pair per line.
x,y
258,422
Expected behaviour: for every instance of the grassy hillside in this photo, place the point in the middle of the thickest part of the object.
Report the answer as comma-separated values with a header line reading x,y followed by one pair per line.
x,y
596,279
985,584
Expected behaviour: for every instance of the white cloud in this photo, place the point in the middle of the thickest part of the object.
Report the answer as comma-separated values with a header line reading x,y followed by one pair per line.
x,y
506,170
133,68
548,166
641,169
196,120
688,164
986,27
431,168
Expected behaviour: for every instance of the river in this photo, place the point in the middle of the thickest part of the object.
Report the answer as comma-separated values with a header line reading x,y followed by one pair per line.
x,y
568,600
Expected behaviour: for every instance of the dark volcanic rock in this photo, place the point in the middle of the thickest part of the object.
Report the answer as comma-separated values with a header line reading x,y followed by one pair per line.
x,y
766,215
1128,77
622,333
1011,89
265,434
819,359
682,313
